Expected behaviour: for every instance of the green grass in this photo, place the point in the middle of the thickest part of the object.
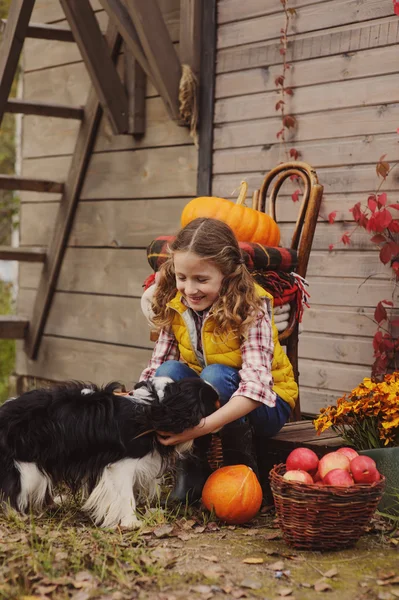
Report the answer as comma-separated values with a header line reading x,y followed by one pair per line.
x,y
7,347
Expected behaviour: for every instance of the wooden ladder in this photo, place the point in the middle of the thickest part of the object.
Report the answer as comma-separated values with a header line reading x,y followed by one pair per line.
x,y
149,51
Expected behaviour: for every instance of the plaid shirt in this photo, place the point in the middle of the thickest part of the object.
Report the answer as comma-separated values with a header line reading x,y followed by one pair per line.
x,y
257,349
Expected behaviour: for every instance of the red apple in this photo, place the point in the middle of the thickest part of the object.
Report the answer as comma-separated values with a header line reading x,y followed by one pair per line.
x,y
364,470
349,452
319,482
317,477
304,459
338,477
298,475
333,460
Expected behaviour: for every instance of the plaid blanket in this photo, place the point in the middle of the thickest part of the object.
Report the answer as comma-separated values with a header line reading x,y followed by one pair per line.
x,y
256,256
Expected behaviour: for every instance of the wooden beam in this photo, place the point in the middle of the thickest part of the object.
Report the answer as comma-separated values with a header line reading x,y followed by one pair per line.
x,y
11,46
135,84
101,68
207,98
159,49
80,161
190,34
117,11
45,32
12,327
44,109
9,182
22,254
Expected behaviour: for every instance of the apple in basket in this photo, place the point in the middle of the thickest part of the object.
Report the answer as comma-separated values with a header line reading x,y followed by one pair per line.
x,y
349,452
333,460
304,459
364,470
339,477
298,475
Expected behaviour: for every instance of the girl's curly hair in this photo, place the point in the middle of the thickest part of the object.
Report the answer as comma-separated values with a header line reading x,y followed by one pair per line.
x,y
238,304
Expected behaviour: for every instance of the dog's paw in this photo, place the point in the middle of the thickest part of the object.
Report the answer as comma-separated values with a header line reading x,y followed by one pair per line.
x,y
131,522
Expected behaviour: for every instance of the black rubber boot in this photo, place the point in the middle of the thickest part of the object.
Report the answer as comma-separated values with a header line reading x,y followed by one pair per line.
x,y
237,444
265,461
192,473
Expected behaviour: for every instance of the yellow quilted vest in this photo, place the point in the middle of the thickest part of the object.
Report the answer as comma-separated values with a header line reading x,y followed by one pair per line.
x,y
226,351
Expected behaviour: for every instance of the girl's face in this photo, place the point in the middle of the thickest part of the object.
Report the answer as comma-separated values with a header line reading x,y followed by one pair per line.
x,y
198,279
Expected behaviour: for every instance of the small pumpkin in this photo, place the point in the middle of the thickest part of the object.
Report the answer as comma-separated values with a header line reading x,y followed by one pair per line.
x,y
233,493
248,224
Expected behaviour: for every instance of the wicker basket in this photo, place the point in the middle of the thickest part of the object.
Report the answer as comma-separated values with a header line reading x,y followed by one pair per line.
x,y
323,517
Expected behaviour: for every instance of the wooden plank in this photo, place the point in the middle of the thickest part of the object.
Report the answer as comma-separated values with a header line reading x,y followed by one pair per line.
x,y
107,319
329,13
50,136
206,99
301,47
11,45
135,84
359,264
48,11
45,32
320,153
236,10
44,109
13,327
98,61
328,376
340,123
66,359
29,255
159,50
67,210
114,223
342,67
337,348
68,84
312,399
323,97
9,182
190,33
357,321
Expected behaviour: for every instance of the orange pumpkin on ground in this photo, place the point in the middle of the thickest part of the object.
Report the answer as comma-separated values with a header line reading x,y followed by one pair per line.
x,y
249,225
234,493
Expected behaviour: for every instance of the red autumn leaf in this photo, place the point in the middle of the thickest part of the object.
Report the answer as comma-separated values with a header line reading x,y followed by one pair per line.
x,y
378,239
279,133
331,216
294,178
372,203
383,218
396,7
292,11
294,153
289,121
380,314
295,195
377,339
279,104
345,239
395,323
282,51
388,251
382,167
331,247
382,199
279,80
393,206
289,91
393,226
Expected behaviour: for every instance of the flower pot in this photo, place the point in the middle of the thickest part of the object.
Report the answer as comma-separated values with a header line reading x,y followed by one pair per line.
x,y
387,460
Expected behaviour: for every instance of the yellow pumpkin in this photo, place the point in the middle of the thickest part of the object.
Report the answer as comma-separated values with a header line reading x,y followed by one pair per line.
x,y
233,493
249,225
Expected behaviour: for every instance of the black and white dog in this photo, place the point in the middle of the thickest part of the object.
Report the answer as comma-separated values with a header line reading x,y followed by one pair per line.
x,y
96,441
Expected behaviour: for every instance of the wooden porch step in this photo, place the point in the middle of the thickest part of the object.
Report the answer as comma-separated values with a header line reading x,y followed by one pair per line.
x,y
44,109
25,184
23,254
303,433
45,32
13,327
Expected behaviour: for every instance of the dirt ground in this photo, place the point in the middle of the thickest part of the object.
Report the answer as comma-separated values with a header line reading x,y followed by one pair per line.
x,y
61,556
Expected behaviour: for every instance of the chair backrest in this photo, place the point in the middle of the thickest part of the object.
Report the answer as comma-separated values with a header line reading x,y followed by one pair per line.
x,y
302,237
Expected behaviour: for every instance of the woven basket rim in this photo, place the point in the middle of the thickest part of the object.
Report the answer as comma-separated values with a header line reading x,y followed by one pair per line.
x,y
324,489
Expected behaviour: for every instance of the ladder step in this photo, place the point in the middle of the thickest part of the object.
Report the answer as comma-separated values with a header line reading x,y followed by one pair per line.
x,y
22,254
13,327
45,32
44,109
25,184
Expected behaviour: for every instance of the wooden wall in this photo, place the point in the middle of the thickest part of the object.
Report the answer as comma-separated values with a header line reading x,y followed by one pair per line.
x,y
344,74
134,191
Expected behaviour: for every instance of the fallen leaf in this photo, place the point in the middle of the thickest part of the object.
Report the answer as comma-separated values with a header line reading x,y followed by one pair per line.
x,y
277,566
331,573
285,591
274,535
199,529
251,583
251,532
201,589
386,574
305,585
212,526
389,581
253,561
384,596
239,594
184,537
210,558
322,586
163,531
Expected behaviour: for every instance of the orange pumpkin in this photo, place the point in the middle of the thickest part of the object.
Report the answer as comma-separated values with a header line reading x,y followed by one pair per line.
x,y
249,225
233,493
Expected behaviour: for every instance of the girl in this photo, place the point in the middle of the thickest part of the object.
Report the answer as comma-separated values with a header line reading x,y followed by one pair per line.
x,y
216,323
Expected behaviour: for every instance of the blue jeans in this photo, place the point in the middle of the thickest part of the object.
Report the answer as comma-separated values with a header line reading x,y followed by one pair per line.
x,y
265,420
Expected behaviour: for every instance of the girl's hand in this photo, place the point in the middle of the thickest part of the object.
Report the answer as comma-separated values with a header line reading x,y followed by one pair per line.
x,y
171,439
